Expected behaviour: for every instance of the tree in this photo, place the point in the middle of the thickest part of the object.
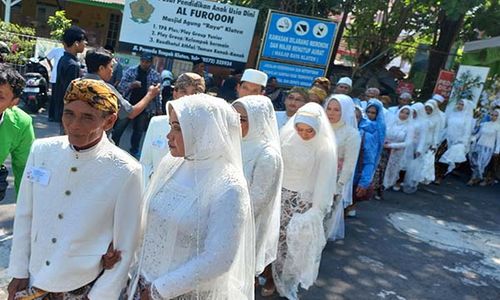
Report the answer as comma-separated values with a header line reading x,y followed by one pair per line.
x,y
450,21
306,7
58,23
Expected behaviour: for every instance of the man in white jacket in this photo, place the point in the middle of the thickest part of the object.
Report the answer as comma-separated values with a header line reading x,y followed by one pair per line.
x,y
79,195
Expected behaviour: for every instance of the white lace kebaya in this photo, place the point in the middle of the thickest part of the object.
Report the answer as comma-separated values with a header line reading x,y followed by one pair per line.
x,y
399,137
348,142
198,235
458,133
416,149
263,168
309,169
487,144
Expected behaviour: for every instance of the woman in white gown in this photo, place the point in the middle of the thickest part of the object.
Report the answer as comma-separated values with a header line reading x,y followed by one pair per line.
x,y
434,127
398,138
487,145
198,238
340,113
416,149
458,133
310,166
263,168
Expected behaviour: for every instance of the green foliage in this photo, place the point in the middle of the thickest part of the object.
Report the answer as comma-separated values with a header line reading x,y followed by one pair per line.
x,y
485,18
58,23
306,7
20,40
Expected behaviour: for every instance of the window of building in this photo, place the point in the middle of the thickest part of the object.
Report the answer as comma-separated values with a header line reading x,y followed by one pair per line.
x,y
43,12
113,29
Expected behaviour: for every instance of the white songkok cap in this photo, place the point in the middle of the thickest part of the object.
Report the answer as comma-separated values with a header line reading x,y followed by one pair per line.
x,y
345,80
255,76
405,95
438,98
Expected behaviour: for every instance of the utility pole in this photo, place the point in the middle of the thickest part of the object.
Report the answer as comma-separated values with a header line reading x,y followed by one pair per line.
x,y
8,5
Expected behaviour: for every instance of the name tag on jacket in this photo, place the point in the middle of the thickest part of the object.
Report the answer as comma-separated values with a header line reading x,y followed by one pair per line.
x,y
38,175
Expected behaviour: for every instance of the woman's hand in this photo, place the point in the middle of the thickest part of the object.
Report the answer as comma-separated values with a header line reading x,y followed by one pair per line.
x,y
111,257
146,293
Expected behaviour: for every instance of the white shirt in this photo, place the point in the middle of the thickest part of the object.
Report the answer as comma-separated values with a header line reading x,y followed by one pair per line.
x,y
282,118
348,143
263,174
155,145
55,54
71,206
489,136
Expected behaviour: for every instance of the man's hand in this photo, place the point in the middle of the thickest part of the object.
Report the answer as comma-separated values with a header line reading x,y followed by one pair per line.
x,y
135,84
16,285
111,257
154,90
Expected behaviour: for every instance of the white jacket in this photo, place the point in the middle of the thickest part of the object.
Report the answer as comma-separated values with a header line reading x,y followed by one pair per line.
x,y
155,145
71,206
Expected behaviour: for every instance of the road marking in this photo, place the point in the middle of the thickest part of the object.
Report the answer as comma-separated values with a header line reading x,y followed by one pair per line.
x,y
458,238
389,294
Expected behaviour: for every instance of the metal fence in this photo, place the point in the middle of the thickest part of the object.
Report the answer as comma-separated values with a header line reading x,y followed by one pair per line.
x,y
20,47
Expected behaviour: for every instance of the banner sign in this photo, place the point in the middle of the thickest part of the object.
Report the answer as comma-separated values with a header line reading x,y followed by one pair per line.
x,y
405,87
444,83
299,39
289,74
220,34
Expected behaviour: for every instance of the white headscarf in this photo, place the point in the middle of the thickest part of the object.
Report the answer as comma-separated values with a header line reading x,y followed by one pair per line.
x,y
410,116
347,109
212,137
464,119
263,127
319,152
310,167
261,145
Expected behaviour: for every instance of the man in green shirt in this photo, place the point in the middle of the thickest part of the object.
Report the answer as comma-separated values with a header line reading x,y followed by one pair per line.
x,y
16,128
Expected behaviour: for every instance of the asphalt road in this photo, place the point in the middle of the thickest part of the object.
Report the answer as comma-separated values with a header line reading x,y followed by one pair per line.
x,y
448,247
442,242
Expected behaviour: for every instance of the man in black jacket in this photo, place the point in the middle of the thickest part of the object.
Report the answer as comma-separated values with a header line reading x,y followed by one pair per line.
x,y
68,68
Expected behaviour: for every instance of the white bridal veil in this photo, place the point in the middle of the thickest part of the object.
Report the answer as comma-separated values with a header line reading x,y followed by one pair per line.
x,y
221,260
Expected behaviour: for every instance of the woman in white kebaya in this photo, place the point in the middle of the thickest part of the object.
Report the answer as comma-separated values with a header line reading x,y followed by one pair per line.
x,y
340,112
458,134
198,240
486,146
416,149
310,165
398,138
434,128
263,168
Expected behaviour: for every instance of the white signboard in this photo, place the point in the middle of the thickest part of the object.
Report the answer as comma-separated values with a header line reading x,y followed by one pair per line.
x,y
471,73
220,34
